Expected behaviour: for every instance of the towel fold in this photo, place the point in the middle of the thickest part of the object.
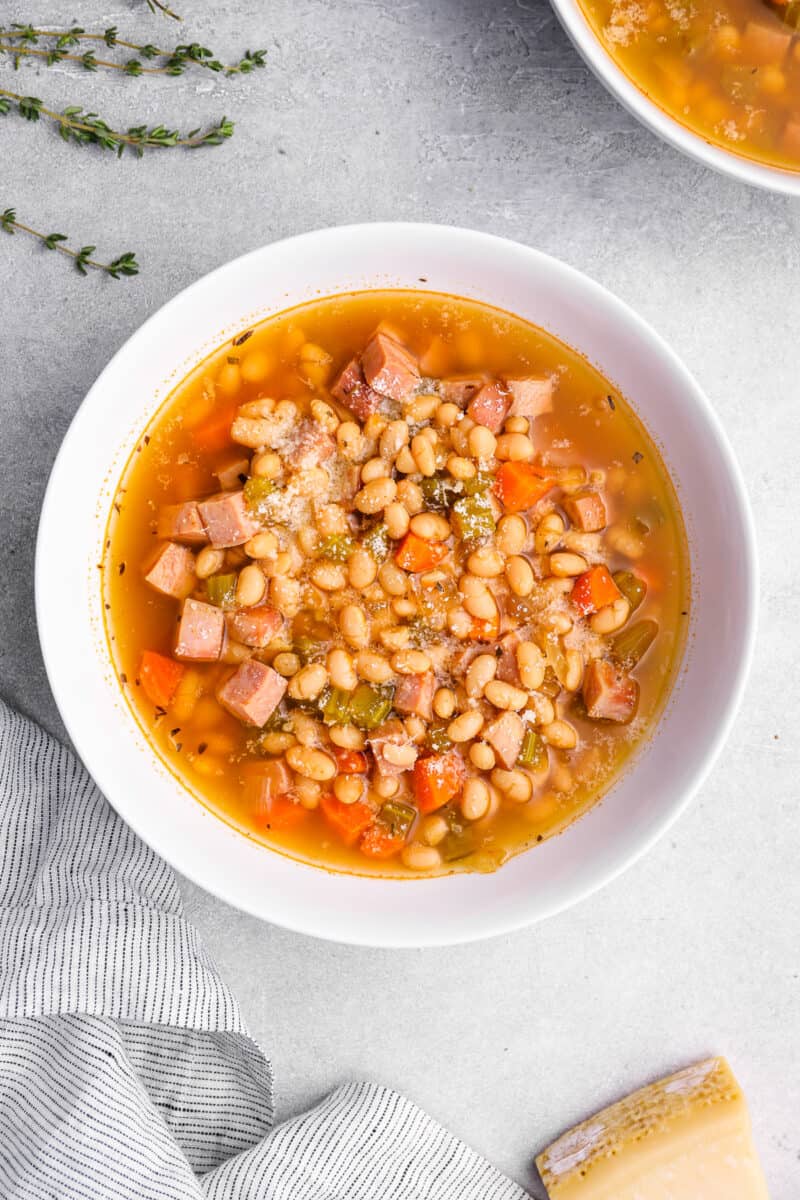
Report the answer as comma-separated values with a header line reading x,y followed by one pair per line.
x,y
126,1069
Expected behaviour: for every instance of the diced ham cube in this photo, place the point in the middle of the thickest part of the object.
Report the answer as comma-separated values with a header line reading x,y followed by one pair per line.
x,y
392,736
310,446
507,668
489,406
253,692
201,632
254,626
265,781
389,368
347,481
227,520
351,390
586,511
277,777
233,472
172,572
459,390
530,397
505,736
462,658
414,695
182,523
764,43
608,693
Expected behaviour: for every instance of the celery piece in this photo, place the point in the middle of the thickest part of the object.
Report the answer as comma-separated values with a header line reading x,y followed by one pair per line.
x,y
632,587
550,685
440,492
278,722
336,709
221,590
460,842
398,817
370,706
256,491
473,517
376,542
308,648
436,738
339,547
630,646
533,752
481,481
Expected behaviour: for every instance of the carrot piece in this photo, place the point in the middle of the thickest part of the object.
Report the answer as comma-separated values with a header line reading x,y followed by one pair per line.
x,y
215,434
348,820
484,629
379,842
594,589
415,554
350,762
159,676
518,485
282,812
437,779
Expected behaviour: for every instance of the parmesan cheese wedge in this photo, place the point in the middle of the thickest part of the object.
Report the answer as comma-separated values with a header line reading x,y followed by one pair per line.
x,y
686,1137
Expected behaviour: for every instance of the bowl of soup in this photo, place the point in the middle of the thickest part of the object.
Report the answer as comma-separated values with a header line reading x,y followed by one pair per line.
x,y
717,79
379,579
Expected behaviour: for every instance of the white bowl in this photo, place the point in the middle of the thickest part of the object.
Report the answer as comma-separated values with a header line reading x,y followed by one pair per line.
x,y
775,179
668,769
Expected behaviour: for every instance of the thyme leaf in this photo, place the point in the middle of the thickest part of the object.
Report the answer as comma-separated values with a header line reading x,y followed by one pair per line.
x,y
83,128
124,265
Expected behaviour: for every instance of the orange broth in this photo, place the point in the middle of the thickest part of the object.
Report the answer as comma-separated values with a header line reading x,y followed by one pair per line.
x,y
729,70
590,439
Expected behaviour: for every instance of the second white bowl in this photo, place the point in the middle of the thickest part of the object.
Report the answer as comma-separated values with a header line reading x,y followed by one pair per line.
x,y
775,179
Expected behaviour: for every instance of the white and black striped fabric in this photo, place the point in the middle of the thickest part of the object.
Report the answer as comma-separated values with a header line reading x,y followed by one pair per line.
x,y
126,1071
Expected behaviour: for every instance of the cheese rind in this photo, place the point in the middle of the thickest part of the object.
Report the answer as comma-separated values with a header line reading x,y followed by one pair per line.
x,y
686,1137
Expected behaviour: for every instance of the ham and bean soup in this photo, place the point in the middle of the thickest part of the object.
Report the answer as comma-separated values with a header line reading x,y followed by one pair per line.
x,y
395,582
727,69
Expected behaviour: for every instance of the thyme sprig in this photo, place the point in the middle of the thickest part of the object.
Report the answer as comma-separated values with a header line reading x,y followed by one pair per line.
x,y
23,41
83,128
124,265
164,9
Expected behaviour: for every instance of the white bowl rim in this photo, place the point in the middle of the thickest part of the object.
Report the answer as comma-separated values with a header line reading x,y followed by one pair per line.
x,y
668,128
101,770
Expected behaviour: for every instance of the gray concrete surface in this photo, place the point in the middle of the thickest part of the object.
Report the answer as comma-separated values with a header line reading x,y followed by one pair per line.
x,y
479,114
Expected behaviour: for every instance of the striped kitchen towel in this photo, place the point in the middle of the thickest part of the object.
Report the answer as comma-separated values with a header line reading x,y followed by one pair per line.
x,y
126,1070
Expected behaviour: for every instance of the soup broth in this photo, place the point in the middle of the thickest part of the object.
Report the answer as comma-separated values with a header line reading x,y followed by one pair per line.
x,y
727,69
395,582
